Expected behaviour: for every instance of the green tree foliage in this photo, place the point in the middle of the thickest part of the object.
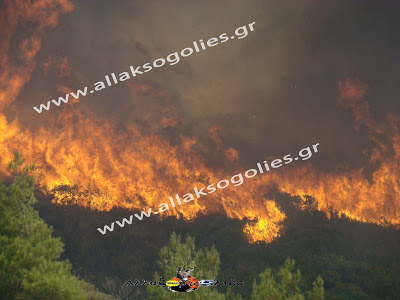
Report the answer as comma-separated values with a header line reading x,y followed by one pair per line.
x,y
347,278
29,265
285,285
206,265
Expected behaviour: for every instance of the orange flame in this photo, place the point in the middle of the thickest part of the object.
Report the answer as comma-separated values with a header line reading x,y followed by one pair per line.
x,y
350,193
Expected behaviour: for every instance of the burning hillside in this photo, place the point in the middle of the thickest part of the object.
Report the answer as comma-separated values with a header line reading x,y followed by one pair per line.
x,y
88,161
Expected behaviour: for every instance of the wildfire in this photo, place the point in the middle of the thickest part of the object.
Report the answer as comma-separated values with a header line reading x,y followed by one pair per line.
x,y
350,193
88,161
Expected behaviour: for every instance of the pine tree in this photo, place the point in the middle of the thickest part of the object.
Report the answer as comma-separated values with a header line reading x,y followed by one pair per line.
x,y
177,254
29,265
317,292
285,285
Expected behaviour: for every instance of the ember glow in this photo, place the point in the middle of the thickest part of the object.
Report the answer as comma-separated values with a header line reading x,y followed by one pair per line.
x,y
88,161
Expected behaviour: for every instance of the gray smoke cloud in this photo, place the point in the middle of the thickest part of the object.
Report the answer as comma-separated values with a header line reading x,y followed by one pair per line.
x,y
269,93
